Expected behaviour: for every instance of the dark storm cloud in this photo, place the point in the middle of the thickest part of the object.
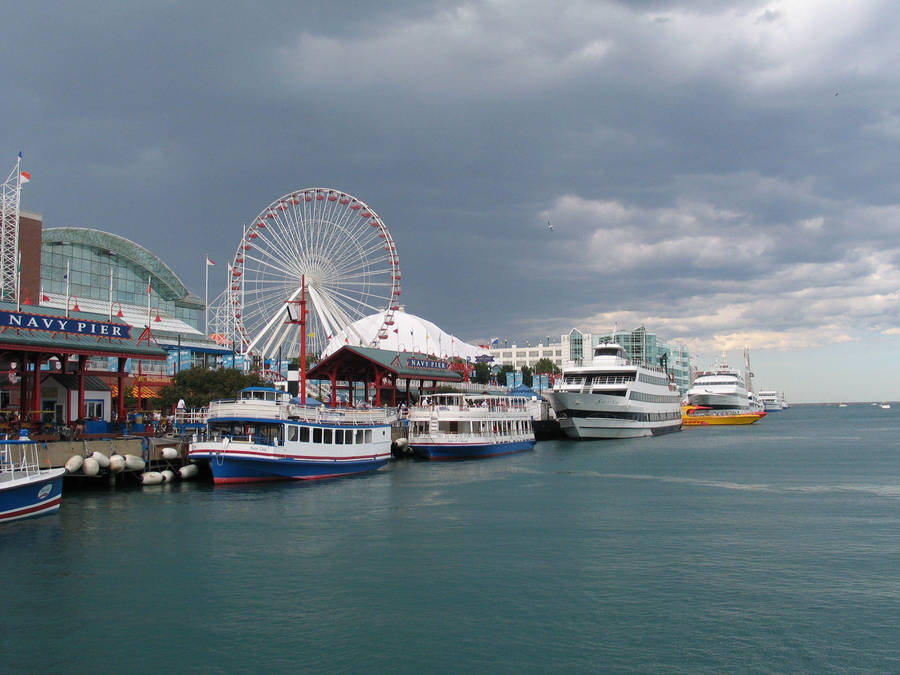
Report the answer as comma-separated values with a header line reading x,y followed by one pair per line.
x,y
686,152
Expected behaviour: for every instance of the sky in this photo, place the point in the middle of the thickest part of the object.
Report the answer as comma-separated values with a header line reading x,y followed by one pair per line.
x,y
723,173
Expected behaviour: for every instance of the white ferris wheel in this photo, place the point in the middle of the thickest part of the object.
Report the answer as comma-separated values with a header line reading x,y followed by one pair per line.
x,y
334,244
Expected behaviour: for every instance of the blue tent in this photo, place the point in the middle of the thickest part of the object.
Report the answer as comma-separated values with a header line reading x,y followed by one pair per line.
x,y
524,390
309,401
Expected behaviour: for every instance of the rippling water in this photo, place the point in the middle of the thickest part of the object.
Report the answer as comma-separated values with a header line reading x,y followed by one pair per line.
x,y
770,547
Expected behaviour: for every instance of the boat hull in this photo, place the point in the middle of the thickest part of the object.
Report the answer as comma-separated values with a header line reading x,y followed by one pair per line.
x,y
247,466
35,495
705,418
582,428
451,451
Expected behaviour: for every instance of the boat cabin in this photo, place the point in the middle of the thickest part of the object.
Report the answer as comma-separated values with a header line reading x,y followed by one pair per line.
x,y
610,349
264,394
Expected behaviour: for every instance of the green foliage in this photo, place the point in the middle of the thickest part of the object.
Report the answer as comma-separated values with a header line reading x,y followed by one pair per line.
x,y
199,386
545,365
527,376
482,373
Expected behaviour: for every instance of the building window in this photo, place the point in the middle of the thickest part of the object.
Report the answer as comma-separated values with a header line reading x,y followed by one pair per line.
x,y
93,409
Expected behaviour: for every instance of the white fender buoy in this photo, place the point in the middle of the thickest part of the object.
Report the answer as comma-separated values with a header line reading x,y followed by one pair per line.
x,y
102,459
134,463
74,463
188,471
401,443
116,463
151,478
169,453
90,466
168,475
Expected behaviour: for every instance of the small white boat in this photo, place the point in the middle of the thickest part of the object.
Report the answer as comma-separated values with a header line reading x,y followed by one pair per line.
x,y
26,490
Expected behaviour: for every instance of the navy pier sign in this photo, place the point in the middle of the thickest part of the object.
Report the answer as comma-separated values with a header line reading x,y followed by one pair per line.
x,y
62,324
429,364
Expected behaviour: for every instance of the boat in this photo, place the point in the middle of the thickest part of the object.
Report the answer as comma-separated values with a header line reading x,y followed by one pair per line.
x,y
266,435
722,388
702,416
469,426
614,397
771,401
886,406
27,490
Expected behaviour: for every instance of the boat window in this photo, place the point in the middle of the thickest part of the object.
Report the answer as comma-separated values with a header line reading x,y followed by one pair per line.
x,y
326,436
339,436
368,435
317,435
304,434
292,433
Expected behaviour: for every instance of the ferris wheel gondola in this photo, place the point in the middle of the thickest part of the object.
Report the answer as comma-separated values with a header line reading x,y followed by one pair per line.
x,y
343,251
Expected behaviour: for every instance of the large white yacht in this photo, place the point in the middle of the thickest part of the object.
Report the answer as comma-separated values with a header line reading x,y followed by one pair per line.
x,y
612,397
771,400
721,388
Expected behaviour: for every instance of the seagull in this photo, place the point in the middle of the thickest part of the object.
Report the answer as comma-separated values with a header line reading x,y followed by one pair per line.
x,y
837,93
549,226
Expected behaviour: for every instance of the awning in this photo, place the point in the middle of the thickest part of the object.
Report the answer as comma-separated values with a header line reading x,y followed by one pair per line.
x,y
137,391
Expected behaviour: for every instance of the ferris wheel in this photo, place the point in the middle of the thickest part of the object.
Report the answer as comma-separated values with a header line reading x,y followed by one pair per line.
x,y
328,241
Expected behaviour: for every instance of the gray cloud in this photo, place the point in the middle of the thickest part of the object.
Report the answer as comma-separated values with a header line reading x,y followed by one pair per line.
x,y
724,173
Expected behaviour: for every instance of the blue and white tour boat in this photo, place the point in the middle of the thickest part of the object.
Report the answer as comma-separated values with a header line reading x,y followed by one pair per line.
x,y
466,426
265,435
26,489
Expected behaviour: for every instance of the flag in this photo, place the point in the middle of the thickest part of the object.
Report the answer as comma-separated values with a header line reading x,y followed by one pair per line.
x,y
495,341
397,330
25,176
209,261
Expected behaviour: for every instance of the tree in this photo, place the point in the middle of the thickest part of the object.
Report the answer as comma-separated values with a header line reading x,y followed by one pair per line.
x,y
545,365
527,373
482,373
501,374
199,386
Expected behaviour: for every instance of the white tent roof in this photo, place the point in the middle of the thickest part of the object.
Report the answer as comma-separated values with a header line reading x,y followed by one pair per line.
x,y
409,333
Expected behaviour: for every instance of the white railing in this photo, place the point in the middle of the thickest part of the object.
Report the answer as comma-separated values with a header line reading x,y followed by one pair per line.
x,y
18,459
193,416
250,408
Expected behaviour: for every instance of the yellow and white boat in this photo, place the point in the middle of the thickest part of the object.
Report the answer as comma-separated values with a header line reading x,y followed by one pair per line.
x,y
701,416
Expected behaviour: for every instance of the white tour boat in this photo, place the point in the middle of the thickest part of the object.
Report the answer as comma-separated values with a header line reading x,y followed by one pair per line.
x,y
722,388
264,435
467,426
771,400
613,397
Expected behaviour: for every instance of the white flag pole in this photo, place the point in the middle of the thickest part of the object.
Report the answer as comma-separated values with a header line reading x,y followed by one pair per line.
x,y
67,289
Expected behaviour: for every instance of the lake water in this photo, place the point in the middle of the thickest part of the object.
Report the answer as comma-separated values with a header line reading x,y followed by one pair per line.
x,y
772,547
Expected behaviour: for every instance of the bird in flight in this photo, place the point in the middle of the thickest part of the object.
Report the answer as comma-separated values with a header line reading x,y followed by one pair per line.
x,y
549,226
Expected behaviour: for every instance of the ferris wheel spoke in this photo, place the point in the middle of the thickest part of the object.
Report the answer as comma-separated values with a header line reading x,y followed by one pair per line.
x,y
324,313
